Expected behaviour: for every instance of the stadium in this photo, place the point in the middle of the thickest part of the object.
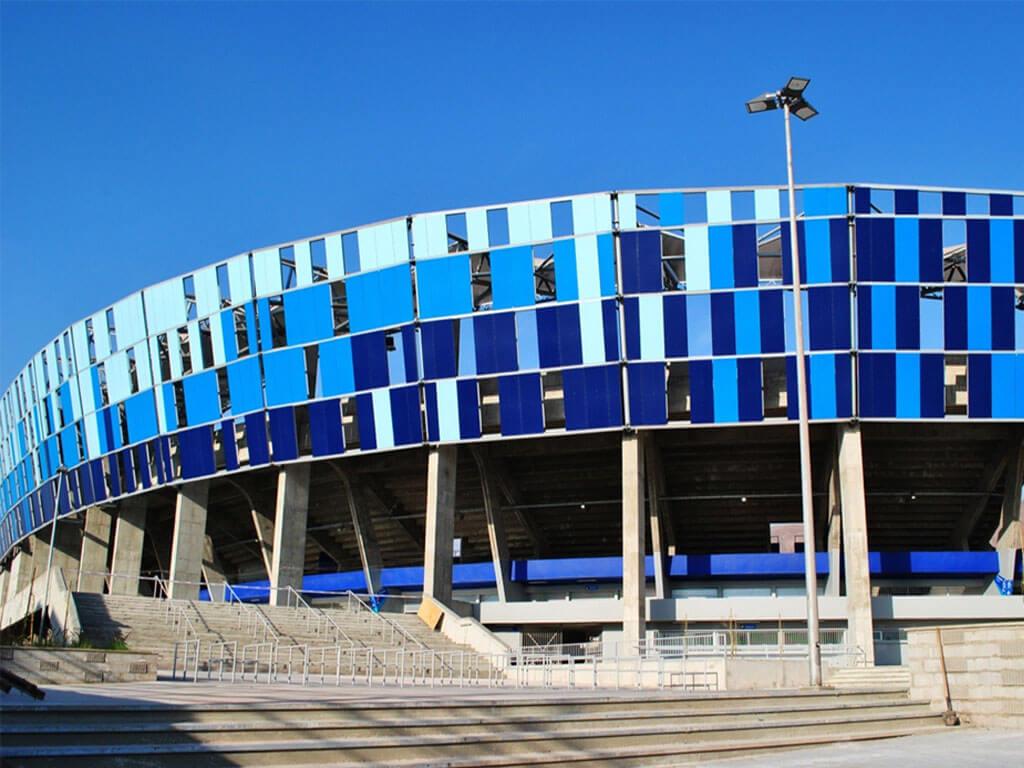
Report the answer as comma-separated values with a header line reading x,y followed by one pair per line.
x,y
575,418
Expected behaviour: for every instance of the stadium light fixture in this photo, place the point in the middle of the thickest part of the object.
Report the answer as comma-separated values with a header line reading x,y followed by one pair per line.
x,y
791,100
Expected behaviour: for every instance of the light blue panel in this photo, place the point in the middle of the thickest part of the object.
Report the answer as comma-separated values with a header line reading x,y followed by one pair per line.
x,y
592,332
201,401
141,416
476,229
165,308
143,369
207,292
303,264
823,386
119,383
908,261
336,367
1018,323
334,257
285,374
540,221
588,271
670,209
766,204
979,317
217,339
819,251
932,324
365,291
195,345
825,201
606,263
719,206
88,396
908,386
367,249
720,247
1001,250
444,286
80,345
266,271
244,386
698,325
92,435
161,409
591,213
526,340
512,283
698,259
430,235
239,282
883,317
129,320
448,409
173,352
565,270
392,243
652,327
396,360
627,210
747,310
467,347
518,223
1004,368
382,425
725,382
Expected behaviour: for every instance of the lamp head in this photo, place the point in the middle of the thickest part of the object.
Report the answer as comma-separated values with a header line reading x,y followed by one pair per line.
x,y
763,103
796,86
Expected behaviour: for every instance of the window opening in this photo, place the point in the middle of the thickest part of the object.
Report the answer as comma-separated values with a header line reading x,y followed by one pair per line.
x,y
480,276
58,361
224,285
122,421
90,341
769,254
312,371
773,382
497,227
647,211
554,400
673,259
46,370
279,335
179,403
339,308
350,422
206,343
679,406
561,218
318,259
490,409
111,330
186,351
350,252
191,308
458,237
287,259
164,356
224,392
544,272
101,375
241,331
955,381
954,251
133,371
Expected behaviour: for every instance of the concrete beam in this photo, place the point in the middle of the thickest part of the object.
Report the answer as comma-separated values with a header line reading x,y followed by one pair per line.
x,y
129,534
95,549
291,513
366,536
213,571
496,534
859,622
439,532
188,541
658,518
634,587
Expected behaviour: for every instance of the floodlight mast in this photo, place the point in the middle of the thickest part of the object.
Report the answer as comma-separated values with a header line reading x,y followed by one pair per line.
x,y
791,100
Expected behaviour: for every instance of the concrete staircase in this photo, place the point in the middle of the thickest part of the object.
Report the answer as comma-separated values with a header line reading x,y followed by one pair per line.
x,y
485,728
871,677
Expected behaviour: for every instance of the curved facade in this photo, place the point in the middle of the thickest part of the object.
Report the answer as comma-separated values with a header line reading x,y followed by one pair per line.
x,y
664,309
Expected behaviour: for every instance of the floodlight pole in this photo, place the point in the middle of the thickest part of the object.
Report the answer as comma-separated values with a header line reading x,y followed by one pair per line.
x,y
806,498
44,618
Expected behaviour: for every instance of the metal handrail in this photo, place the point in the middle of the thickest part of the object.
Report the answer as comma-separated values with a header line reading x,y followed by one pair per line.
x,y
320,617
393,626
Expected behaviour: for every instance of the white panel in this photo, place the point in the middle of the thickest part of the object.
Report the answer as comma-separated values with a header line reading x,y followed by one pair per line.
x,y
540,221
627,210
161,418
399,241
382,418
165,308
591,213
195,346
88,395
719,203
99,334
80,342
174,354
207,291
51,363
266,267
303,264
476,229
587,267
92,435
518,224
239,281
143,366
367,249
592,332
766,204
448,409
76,400
217,337
386,254
119,383
430,235
335,261
37,367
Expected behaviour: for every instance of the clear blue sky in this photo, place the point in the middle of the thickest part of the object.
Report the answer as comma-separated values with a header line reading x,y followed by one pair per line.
x,y
141,140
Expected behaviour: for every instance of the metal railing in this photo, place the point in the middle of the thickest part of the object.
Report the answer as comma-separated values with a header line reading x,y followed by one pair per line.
x,y
389,630
321,622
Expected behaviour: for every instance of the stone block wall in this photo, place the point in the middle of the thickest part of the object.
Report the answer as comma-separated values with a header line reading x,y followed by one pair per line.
x,y
65,666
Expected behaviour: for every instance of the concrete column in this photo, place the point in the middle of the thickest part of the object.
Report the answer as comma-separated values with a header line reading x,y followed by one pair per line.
x,y
1009,534
860,627
188,540
213,571
129,534
440,523
290,514
634,587
95,550
834,531
366,536
67,545
21,573
5,579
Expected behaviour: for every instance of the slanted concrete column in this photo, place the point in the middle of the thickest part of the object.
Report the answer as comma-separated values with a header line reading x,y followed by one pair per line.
x,y
21,573
656,515
95,549
634,587
859,622
496,535
188,541
366,536
129,533
440,523
290,514
834,530
213,571
67,545
1008,536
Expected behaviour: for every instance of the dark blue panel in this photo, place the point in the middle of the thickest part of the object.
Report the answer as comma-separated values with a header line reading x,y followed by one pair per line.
x,y
829,319
876,250
165,456
519,398
979,260
933,392
979,386
283,443
954,203
773,334
227,440
877,384
558,335
641,261
367,425
744,255
256,439
1002,318
930,250
85,484
114,475
751,402
723,324
469,408
839,244
370,360
1000,205
405,415
862,200
141,461
648,402
674,309
908,317
409,351
610,315
844,386
1018,250
702,392
787,256
906,201
124,458
430,401
438,340
495,338
325,430
631,312
593,397
954,307
196,452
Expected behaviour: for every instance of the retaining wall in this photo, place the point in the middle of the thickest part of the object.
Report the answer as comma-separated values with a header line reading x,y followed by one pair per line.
x,y
62,666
